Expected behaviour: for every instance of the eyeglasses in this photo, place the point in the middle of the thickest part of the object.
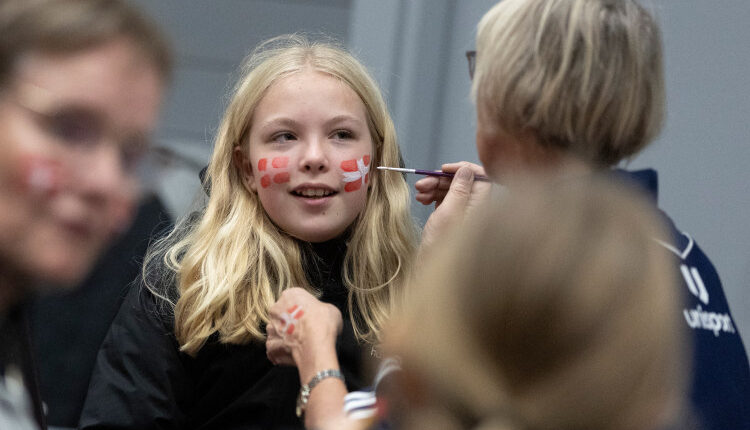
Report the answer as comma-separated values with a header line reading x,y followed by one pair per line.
x,y
79,127
471,56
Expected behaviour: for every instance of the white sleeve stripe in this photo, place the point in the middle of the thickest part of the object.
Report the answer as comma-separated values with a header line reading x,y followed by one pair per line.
x,y
355,404
357,395
361,415
682,254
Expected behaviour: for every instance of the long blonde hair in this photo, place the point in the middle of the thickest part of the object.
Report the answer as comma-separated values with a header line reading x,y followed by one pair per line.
x,y
232,263
556,308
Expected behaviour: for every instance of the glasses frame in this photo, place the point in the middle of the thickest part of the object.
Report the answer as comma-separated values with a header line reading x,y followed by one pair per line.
x,y
40,104
471,57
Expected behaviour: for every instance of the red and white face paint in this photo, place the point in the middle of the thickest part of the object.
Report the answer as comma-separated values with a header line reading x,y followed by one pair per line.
x,y
356,173
278,172
310,151
291,319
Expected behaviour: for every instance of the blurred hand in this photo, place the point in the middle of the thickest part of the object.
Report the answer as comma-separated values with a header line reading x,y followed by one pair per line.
x,y
307,341
453,198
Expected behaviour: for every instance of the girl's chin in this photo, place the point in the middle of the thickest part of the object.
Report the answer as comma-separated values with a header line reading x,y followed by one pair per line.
x,y
317,235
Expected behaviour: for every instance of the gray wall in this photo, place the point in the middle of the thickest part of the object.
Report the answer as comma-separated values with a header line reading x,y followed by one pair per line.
x,y
415,48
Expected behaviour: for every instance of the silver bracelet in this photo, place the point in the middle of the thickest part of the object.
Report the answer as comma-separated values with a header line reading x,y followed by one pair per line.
x,y
304,392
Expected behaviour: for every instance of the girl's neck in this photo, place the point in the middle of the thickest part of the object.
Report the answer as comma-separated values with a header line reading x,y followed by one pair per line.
x,y
330,249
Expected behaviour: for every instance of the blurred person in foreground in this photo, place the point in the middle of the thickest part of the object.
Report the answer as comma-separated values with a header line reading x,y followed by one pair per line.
x,y
573,87
553,307
80,88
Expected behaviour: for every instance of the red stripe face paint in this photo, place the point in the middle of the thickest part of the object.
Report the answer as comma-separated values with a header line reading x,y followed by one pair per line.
x,y
352,186
280,162
355,173
349,166
273,178
280,178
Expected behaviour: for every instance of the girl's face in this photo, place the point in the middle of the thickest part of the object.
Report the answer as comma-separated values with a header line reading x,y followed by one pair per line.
x,y
309,155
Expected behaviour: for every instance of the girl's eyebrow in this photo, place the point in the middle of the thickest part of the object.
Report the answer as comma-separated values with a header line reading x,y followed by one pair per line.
x,y
343,118
292,123
279,121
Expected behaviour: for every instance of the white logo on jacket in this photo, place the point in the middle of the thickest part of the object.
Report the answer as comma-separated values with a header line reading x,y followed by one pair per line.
x,y
698,318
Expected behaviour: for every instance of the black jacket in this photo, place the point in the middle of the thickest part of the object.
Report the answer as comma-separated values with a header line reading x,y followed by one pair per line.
x,y
142,381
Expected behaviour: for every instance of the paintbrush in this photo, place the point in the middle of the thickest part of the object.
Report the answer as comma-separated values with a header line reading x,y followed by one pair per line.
x,y
430,173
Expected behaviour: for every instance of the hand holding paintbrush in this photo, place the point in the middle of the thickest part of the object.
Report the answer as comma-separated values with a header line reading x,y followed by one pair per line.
x,y
453,193
437,173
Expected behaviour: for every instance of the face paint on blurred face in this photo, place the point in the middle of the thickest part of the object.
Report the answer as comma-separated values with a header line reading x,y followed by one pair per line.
x,y
355,173
277,176
40,176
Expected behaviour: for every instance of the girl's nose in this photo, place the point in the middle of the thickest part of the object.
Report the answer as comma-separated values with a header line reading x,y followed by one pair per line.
x,y
314,159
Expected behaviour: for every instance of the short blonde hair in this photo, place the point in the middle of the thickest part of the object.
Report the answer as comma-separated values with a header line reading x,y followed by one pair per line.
x,y
584,76
556,308
233,263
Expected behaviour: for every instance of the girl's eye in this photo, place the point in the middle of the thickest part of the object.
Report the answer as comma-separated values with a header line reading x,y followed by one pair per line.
x,y
343,134
283,137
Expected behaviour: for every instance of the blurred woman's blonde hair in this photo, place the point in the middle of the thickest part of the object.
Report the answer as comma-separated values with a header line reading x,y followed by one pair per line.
x,y
554,308
585,76
232,262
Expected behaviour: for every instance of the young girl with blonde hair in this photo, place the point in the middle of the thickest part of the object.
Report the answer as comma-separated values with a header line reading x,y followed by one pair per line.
x,y
293,202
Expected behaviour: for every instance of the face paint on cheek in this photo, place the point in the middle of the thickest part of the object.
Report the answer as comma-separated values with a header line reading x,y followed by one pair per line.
x,y
40,176
355,173
280,178
275,178
280,162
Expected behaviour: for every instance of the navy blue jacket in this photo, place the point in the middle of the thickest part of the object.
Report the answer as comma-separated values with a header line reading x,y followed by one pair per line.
x,y
720,389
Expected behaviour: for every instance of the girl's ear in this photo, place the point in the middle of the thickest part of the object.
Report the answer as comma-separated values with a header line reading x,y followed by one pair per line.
x,y
243,165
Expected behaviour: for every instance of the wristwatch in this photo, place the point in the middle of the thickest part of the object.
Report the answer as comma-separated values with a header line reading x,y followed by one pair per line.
x,y
304,392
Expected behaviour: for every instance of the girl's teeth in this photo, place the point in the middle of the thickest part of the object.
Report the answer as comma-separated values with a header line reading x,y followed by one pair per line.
x,y
314,193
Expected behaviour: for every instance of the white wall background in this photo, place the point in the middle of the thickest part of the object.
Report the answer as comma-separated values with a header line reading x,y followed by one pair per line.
x,y
415,48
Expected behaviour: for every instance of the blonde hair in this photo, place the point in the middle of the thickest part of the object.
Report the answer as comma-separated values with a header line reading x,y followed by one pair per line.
x,y
555,309
67,26
233,263
581,75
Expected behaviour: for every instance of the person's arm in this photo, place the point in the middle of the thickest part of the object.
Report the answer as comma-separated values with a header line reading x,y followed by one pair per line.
x,y
453,199
139,381
302,333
